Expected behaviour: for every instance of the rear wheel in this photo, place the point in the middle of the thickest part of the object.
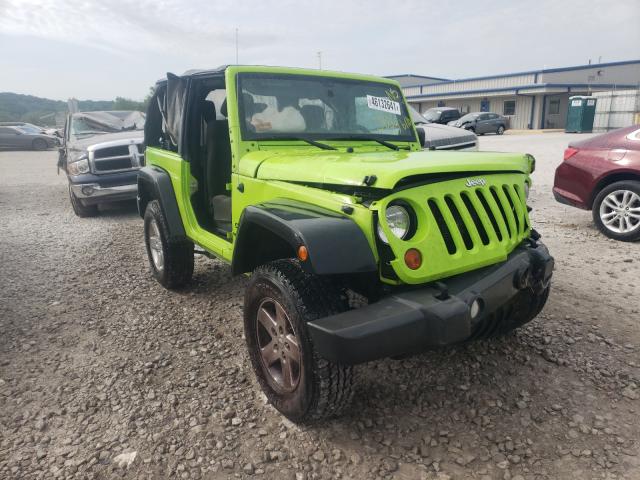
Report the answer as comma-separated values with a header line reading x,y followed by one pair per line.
x,y
39,144
279,301
171,261
79,209
616,211
500,130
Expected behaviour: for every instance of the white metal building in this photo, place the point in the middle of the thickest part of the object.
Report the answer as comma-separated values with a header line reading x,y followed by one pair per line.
x,y
531,100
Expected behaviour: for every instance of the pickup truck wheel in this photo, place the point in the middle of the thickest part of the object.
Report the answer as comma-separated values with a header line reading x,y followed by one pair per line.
x,y
171,262
616,211
79,209
279,301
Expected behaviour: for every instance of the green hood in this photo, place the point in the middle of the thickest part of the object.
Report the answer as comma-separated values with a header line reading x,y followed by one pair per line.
x,y
341,168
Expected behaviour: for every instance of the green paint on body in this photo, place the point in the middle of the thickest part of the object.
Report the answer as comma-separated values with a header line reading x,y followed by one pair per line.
x,y
284,170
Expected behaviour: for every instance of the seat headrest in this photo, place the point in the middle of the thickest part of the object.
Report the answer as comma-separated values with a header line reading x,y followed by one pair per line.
x,y
208,111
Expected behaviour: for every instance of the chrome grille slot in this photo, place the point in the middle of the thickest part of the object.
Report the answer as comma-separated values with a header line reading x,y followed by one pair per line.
x,y
118,151
110,158
113,163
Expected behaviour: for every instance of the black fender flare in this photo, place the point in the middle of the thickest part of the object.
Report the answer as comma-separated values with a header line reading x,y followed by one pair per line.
x,y
270,231
155,184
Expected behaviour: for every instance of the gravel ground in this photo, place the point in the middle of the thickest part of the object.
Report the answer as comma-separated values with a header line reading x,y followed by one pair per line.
x,y
104,374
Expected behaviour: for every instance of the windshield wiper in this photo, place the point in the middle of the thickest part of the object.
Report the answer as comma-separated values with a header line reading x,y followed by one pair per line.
x,y
372,139
323,146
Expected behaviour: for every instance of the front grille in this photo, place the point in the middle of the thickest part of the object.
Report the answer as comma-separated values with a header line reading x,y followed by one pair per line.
x,y
109,158
118,151
113,164
472,219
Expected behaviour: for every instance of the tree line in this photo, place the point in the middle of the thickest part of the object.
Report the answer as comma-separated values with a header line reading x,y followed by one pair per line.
x,y
15,107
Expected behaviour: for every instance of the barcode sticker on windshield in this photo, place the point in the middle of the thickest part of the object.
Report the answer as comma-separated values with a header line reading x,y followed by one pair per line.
x,y
383,104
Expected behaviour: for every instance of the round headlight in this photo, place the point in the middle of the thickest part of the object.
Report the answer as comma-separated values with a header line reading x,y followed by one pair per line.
x,y
398,221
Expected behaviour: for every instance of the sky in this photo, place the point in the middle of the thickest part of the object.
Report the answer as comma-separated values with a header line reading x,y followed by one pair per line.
x,y
106,48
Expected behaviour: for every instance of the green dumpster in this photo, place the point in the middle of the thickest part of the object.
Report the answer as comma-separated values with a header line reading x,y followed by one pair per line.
x,y
581,112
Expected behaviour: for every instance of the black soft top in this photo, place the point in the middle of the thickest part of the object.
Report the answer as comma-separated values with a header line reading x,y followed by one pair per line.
x,y
194,72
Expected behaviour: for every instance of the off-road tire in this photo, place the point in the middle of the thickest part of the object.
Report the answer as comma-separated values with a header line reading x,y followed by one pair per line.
x,y
632,185
177,267
79,209
39,144
500,130
526,306
324,388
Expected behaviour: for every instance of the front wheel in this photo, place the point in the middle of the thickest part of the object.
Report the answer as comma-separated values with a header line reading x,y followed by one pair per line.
x,y
616,211
279,301
500,130
171,261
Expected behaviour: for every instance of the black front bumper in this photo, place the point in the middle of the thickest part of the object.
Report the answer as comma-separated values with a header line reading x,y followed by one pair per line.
x,y
437,314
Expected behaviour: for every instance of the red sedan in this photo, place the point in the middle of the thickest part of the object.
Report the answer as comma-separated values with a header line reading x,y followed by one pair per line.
x,y
602,174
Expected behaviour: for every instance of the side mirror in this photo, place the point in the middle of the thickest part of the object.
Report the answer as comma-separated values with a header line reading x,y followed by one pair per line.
x,y
421,136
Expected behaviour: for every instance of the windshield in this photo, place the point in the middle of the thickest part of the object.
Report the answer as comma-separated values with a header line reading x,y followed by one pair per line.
x,y
29,129
287,106
95,123
432,114
416,117
468,117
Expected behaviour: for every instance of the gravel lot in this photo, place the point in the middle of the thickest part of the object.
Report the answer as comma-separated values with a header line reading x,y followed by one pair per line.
x,y
97,360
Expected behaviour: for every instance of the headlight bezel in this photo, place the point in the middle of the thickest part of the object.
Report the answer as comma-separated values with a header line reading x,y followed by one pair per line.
x,y
411,217
79,166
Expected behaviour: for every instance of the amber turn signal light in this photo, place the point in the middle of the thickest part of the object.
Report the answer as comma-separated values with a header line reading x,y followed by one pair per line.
x,y
413,258
303,253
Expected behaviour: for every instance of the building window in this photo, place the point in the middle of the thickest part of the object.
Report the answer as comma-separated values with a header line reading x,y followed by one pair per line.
x,y
554,106
509,107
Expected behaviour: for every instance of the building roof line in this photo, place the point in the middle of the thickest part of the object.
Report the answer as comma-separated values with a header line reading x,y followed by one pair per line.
x,y
532,72
533,86
418,76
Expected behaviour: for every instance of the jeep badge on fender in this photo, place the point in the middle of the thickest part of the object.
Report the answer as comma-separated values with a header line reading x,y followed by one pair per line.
x,y
263,167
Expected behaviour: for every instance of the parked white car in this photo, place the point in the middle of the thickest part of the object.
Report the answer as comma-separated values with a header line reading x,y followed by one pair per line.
x,y
443,137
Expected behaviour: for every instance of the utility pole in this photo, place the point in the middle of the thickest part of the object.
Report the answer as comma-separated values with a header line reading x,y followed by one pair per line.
x,y
319,60
236,45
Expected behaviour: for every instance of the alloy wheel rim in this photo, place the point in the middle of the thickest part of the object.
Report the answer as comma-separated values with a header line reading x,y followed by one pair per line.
x,y
278,345
155,245
620,211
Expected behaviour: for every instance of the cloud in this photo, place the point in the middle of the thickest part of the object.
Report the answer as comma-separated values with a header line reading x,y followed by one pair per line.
x,y
143,39
129,27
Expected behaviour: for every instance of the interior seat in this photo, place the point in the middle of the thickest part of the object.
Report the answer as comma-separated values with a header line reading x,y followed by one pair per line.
x,y
314,117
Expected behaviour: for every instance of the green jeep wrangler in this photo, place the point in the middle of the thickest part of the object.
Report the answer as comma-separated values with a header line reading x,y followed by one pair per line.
x,y
360,245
